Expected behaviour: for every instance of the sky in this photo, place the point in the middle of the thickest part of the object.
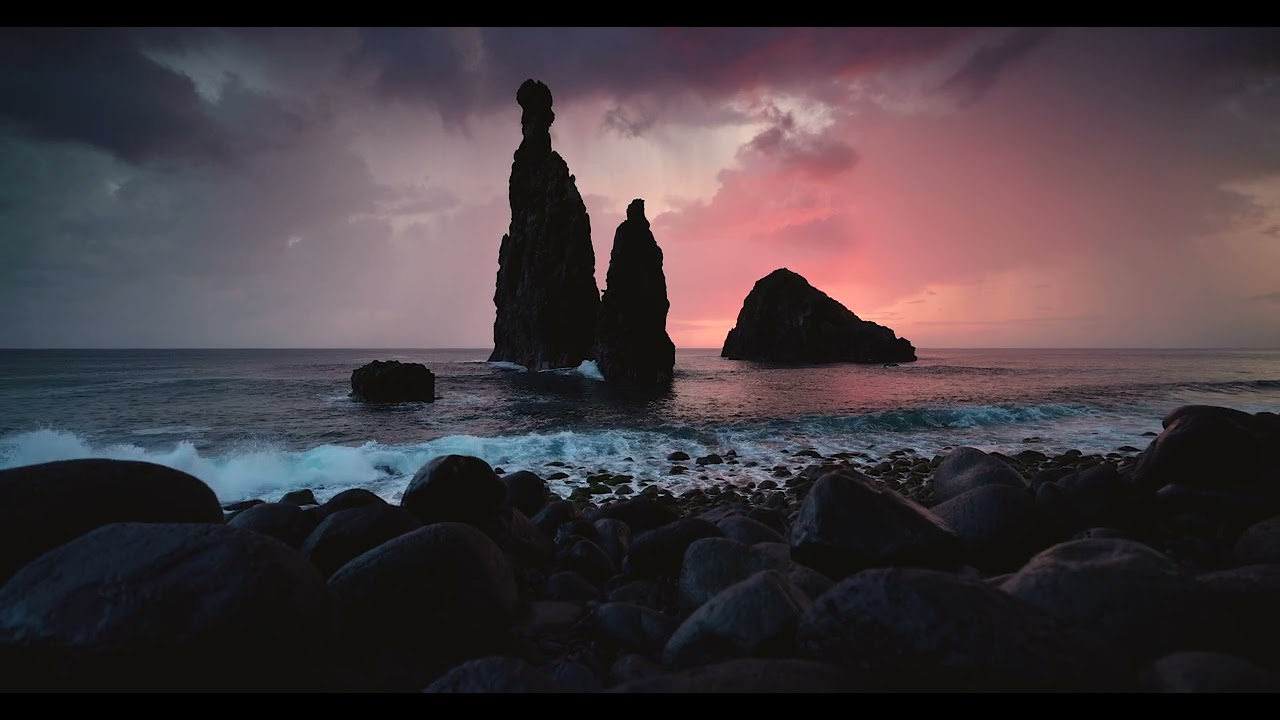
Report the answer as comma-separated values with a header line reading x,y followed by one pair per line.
x,y
343,187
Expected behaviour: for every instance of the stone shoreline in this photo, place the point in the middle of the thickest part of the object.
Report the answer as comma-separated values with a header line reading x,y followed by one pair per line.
x,y
1157,571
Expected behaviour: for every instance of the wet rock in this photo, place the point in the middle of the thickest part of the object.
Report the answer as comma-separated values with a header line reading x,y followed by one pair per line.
x,y
757,616
586,558
283,521
966,468
445,589
848,523
1137,598
640,513
1206,672
998,526
1259,544
678,456
923,630
634,627
345,500
494,675
571,586
752,675
393,381
711,565
660,551
46,505
165,606
348,534
615,539
526,492
300,497
454,488
553,515
748,531
1240,619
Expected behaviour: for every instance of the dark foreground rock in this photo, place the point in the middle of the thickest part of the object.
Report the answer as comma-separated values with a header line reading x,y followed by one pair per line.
x,y
757,616
443,590
849,522
526,492
347,534
752,676
915,629
454,488
391,381
632,345
1205,672
546,295
785,319
43,506
283,521
494,675
139,606
1125,591
966,469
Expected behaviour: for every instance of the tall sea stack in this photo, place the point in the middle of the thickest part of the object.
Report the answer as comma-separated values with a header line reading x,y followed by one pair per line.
x,y
785,319
632,345
546,298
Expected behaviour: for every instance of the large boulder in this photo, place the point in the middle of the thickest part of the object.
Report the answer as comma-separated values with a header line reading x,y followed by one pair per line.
x,y
785,319
966,468
849,522
1259,544
348,534
283,521
660,551
917,629
43,506
634,627
632,345
345,500
1241,619
1122,590
526,492
165,606
711,565
757,616
494,674
641,514
445,589
392,381
1206,672
998,526
546,295
752,675
1210,447
454,488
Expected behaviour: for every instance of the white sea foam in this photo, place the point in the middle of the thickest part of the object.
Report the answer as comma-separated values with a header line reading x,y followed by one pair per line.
x,y
268,471
504,365
587,369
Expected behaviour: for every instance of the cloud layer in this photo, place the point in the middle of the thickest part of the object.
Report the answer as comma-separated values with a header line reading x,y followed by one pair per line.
x,y
347,187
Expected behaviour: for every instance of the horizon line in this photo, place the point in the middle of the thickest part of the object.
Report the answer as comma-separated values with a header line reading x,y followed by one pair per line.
x,y
490,349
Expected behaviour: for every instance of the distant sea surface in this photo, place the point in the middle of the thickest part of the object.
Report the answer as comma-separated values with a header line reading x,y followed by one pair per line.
x,y
257,423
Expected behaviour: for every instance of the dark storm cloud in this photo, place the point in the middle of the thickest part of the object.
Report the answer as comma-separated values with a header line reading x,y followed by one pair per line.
x,y
819,155
984,67
95,86
463,71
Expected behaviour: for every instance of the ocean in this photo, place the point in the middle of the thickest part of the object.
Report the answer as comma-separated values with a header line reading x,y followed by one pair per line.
x,y
258,423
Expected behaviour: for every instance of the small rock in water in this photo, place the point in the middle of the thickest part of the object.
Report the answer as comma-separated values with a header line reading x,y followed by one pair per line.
x,y
678,455
712,459
1034,439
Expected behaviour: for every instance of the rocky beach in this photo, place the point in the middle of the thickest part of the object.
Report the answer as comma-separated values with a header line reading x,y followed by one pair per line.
x,y
1144,571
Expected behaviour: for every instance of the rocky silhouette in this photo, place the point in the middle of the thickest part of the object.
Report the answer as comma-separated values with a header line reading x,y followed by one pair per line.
x,y
393,381
632,345
546,295
785,319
